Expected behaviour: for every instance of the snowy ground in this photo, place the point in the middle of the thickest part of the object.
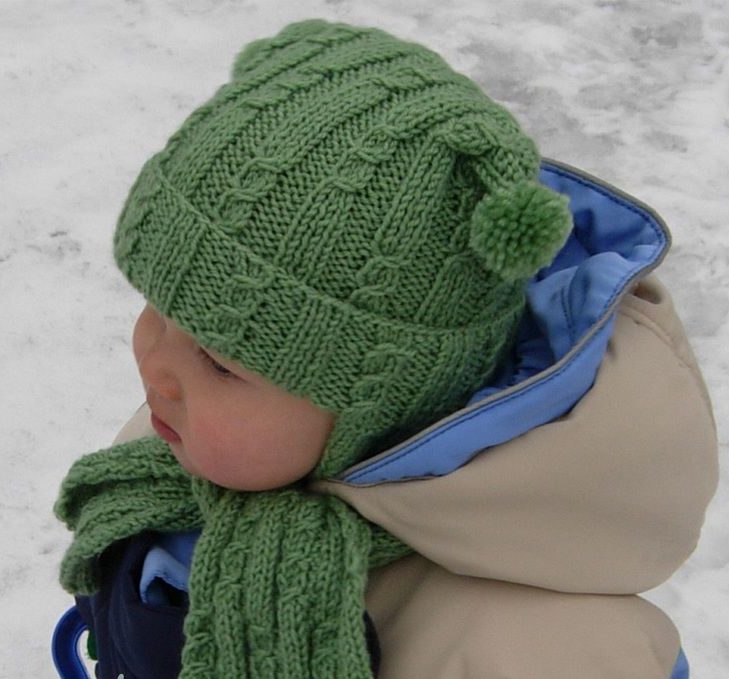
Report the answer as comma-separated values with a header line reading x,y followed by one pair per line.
x,y
635,92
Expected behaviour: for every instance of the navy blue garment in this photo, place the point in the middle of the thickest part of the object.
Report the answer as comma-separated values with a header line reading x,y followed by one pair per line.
x,y
143,641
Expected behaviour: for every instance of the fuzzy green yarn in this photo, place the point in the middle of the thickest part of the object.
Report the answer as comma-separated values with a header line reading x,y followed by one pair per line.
x,y
356,221
316,221
277,578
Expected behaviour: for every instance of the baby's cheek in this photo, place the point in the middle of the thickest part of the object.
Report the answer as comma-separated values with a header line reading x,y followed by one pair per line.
x,y
212,449
208,439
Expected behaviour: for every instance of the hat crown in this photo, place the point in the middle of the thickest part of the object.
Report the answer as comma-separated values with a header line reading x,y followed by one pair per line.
x,y
338,217
346,156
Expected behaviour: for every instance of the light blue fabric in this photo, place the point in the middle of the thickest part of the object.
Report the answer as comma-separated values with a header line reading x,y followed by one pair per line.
x,y
681,668
168,561
562,339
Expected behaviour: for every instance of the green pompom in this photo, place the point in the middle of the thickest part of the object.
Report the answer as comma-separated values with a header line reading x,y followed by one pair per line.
x,y
517,231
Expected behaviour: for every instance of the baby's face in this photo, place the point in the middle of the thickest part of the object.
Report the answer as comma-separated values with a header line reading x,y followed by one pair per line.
x,y
224,423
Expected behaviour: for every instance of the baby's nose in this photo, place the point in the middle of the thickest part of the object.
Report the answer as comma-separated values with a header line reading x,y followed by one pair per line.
x,y
157,374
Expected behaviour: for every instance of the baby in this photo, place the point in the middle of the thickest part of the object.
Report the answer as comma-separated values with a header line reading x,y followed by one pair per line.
x,y
335,251
232,426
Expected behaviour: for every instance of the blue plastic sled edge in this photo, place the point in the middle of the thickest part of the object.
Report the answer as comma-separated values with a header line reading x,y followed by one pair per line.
x,y
70,666
64,645
681,668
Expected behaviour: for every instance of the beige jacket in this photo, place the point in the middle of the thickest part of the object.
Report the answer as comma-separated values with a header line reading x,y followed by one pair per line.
x,y
530,556
533,552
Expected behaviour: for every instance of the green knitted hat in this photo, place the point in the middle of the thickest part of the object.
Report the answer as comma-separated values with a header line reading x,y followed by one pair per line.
x,y
351,218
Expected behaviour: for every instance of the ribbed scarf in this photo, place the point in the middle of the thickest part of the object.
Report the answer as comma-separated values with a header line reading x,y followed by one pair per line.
x,y
277,578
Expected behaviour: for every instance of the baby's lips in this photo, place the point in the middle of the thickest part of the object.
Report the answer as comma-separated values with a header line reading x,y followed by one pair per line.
x,y
164,430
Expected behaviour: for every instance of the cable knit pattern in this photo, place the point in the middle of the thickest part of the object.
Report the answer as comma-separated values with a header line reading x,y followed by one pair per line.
x,y
277,579
356,221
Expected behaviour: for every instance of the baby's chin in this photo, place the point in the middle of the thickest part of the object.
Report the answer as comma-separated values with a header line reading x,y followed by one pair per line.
x,y
178,450
250,484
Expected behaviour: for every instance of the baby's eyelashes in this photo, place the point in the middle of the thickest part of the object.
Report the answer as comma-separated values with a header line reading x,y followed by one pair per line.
x,y
217,367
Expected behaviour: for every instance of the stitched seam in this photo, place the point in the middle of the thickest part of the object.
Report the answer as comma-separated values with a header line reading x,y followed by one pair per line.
x,y
492,406
611,197
663,337
565,313
648,323
618,201
569,357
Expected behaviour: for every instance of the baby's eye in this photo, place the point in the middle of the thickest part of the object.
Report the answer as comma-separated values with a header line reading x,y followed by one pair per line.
x,y
221,369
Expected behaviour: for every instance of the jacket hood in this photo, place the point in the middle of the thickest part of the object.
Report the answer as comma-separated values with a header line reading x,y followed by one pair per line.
x,y
562,339
588,462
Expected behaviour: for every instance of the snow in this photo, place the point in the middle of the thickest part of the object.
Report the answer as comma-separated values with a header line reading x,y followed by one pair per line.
x,y
635,93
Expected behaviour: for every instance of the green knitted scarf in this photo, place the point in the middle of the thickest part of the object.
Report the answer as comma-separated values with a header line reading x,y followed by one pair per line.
x,y
277,579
